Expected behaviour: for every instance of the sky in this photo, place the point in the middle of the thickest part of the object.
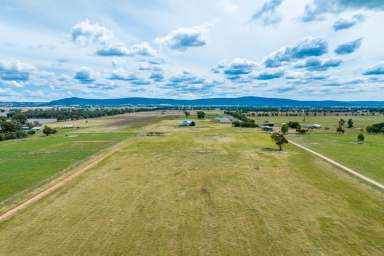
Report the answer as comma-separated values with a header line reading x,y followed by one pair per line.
x,y
298,49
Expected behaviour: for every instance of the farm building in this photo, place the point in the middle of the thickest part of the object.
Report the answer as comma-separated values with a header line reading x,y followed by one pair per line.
x,y
269,124
185,123
267,128
223,120
312,126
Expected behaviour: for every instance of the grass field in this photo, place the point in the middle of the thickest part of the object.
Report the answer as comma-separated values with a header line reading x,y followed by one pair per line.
x,y
209,190
29,163
366,158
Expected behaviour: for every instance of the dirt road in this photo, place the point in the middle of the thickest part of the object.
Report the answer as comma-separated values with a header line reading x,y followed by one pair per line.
x,y
55,184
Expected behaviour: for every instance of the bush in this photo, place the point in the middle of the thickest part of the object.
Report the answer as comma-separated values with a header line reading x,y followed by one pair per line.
x,y
294,125
376,128
340,130
360,138
284,128
20,134
301,131
200,114
31,132
10,136
48,130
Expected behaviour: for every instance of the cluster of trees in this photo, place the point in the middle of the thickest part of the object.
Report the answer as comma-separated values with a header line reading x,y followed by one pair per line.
x,y
376,128
243,120
297,127
12,129
62,114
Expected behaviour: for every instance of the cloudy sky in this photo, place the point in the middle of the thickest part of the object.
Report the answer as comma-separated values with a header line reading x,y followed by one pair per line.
x,y
301,49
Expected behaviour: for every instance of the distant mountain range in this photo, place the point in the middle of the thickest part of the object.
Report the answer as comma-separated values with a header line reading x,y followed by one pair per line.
x,y
250,101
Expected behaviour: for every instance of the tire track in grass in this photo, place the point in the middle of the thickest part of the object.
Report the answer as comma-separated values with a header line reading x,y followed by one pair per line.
x,y
56,184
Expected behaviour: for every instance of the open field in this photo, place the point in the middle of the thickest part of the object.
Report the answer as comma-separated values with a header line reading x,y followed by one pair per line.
x,y
366,158
208,190
29,163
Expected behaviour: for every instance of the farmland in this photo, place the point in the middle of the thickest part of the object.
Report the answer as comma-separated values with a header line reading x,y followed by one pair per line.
x,y
365,158
30,163
207,190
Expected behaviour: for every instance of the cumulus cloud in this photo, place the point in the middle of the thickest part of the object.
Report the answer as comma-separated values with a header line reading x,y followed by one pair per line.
x,y
113,51
346,23
316,64
185,38
125,75
137,50
102,86
157,77
269,74
17,71
187,82
267,13
349,47
84,76
235,69
315,10
308,47
300,78
87,32
375,70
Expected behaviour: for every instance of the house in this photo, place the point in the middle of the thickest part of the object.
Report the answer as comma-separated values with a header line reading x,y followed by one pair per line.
x,y
187,123
68,126
269,124
223,120
267,128
37,128
311,126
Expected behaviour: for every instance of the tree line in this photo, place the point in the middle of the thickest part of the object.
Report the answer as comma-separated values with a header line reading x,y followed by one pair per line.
x,y
62,114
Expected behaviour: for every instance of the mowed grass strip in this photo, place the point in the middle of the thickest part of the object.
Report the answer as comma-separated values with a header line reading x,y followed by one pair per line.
x,y
209,190
24,164
367,158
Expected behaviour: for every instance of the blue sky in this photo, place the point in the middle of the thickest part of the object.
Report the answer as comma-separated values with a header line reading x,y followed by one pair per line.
x,y
301,49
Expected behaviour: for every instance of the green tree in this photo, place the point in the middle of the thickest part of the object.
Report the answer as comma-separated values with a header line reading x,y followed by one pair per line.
x,y
279,139
284,128
19,117
7,127
341,122
200,114
360,138
350,123
48,130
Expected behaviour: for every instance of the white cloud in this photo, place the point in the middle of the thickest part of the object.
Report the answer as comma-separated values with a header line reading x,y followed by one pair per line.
x,y
15,71
308,47
184,38
87,32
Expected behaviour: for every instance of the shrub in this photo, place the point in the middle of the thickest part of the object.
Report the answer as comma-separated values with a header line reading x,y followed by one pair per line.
x,y
376,128
294,125
200,114
48,130
360,138
31,132
284,128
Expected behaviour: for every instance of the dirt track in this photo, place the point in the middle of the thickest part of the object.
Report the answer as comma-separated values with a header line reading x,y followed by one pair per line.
x,y
343,167
59,183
